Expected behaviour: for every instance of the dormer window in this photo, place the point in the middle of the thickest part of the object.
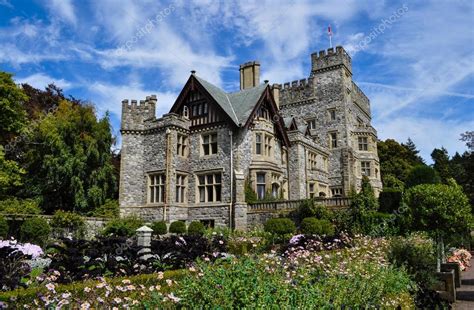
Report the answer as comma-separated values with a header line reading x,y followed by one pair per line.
x,y
311,123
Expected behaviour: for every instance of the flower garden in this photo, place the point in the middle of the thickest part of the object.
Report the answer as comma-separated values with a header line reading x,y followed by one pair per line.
x,y
310,258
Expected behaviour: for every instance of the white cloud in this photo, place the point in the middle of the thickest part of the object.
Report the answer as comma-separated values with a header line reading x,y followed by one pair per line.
x,y
62,9
41,80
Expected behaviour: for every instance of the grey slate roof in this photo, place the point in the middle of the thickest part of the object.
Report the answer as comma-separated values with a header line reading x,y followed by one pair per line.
x,y
238,105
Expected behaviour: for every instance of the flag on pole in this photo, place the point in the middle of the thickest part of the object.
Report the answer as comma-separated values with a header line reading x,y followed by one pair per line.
x,y
330,36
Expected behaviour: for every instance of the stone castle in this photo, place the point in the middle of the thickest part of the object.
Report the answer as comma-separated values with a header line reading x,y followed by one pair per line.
x,y
305,139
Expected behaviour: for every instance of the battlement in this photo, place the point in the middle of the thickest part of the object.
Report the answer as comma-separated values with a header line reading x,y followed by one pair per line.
x,y
135,113
329,59
360,98
296,91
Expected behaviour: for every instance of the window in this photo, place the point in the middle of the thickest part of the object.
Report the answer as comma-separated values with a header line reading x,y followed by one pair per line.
x,y
336,192
258,143
332,114
209,187
180,188
325,163
209,144
333,140
312,190
263,113
275,190
157,188
268,145
182,145
311,123
365,168
185,112
200,109
363,144
261,185
312,162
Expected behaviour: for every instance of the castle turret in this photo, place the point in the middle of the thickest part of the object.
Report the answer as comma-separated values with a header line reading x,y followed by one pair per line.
x,y
135,114
330,59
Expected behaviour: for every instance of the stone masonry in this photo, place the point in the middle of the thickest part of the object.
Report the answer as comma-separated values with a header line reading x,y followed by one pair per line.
x,y
308,138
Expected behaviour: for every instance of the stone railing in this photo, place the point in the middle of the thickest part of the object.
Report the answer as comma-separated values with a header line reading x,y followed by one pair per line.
x,y
288,205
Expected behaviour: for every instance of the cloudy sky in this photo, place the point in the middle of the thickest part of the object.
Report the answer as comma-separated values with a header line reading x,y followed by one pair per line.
x,y
413,59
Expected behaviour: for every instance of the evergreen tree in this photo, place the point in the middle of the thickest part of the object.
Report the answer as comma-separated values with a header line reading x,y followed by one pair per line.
x,y
441,163
412,154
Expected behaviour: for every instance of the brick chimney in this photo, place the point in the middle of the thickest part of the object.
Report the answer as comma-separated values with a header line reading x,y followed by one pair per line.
x,y
249,74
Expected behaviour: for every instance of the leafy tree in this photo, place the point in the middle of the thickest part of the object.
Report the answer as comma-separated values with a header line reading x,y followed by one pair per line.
x,y
439,209
468,137
12,114
441,163
70,163
422,175
10,174
396,160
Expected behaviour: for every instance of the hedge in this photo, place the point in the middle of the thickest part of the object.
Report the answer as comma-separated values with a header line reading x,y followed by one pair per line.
x,y
196,228
390,199
280,226
159,228
178,227
313,226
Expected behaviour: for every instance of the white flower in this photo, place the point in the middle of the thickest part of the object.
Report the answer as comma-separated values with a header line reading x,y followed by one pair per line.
x,y
50,286
85,306
173,298
87,289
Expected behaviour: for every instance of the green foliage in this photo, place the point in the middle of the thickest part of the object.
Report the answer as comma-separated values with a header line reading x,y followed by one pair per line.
x,y
280,226
35,230
19,206
159,228
250,194
313,226
178,227
441,164
397,160
389,181
422,175
3,228
196,228
250,283
309,208
365,200
10,174
390,199
462,168
124,227
12,114
417,254
72,152
110,209
439,209
64,222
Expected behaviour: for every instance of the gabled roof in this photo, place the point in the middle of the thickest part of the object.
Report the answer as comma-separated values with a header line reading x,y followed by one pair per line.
x,y
237,105
240,106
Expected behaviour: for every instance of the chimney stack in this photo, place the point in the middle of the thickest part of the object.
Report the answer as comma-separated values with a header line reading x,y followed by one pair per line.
x,y
276,94
249,74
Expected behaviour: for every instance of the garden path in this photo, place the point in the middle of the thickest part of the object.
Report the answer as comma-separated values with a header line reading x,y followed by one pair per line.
x,y
465,294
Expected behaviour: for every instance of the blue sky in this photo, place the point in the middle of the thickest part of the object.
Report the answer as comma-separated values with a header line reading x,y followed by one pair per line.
x,y
413,59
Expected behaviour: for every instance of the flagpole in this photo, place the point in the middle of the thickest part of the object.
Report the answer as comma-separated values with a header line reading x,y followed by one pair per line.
x,y
330,36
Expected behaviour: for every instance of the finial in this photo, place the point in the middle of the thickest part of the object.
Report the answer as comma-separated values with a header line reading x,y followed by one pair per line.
x,y
193,72
265,81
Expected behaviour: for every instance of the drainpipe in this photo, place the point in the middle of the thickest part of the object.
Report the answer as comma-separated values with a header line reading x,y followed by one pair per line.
x,y
167,167
231,180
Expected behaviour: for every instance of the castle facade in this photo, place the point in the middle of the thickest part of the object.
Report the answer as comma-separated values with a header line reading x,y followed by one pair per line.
x,y
213,150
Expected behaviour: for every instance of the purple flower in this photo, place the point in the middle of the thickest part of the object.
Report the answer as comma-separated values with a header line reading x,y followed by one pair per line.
x,y
295,239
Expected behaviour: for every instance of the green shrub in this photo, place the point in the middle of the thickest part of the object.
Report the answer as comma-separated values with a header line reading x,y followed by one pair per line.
x,y
35,230
417,254
178,227
280,226
309,208
313,226
159,228
378,224
422,174
64,222
110,209
124,227
196,228
390,199
3,227
20,206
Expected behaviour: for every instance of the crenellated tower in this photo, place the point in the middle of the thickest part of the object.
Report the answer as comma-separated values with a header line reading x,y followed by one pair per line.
x,y
135,114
